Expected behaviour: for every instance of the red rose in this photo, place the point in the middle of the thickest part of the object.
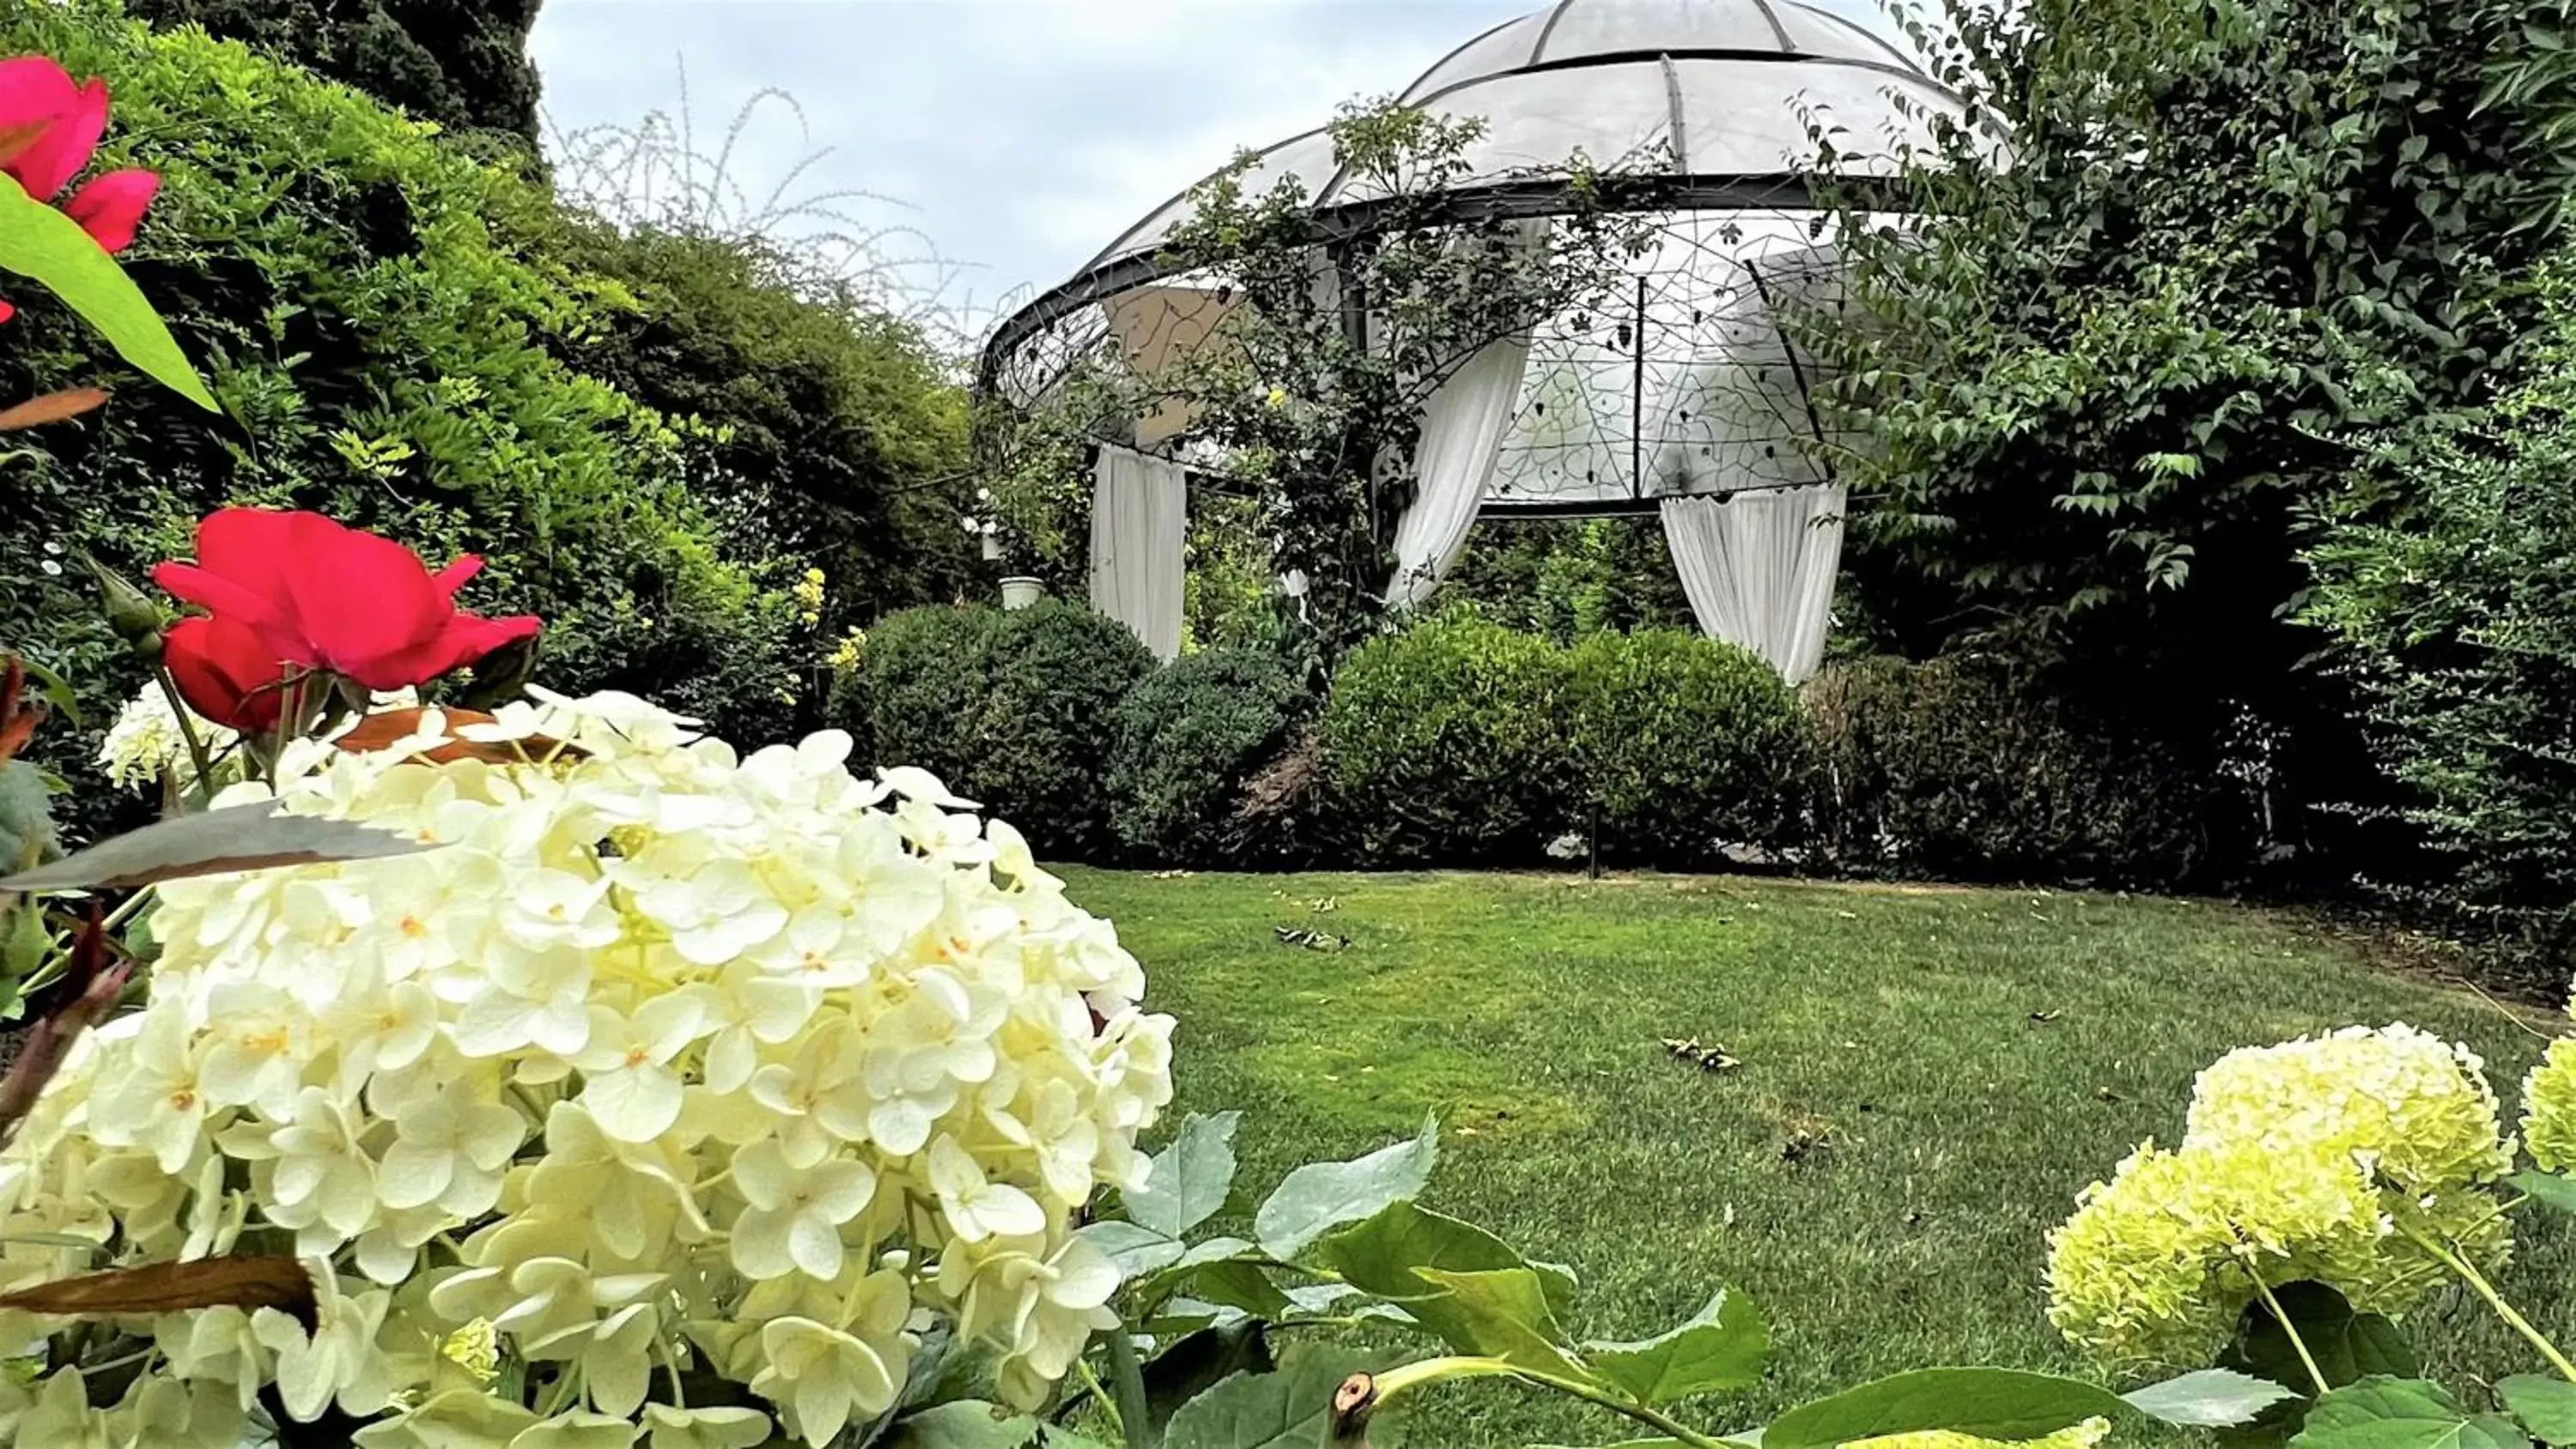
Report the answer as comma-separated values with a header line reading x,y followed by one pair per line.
x,y
52,126
332,598
225,673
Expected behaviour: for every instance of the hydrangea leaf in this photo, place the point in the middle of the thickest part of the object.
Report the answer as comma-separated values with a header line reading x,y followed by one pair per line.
x,y
2549,1189
1134,1250
1497,1313
2209,1399
2546,1406
1722,1349
2389,1413
1381,1254
1197,1362
1189,1179
1988,1403
1324,1195
967,1424
2348,1345
1282,1410
40,242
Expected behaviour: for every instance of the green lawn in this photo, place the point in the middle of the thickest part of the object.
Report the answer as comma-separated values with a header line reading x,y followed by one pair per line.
x,y
1928,1078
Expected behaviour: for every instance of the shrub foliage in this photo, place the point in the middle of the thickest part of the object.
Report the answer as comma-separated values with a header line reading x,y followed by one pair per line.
x,y
1015,710
1189,736
1685,745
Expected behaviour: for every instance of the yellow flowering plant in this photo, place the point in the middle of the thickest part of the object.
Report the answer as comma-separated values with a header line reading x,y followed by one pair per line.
x,y
2322,1190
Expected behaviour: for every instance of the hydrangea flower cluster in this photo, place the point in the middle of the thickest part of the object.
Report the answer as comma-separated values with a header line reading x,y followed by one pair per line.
x,y
669,1066
2549,1107
2074,1436
146,742
2309,1161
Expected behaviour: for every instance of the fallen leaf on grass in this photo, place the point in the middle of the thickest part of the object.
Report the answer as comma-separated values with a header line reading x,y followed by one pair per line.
x,y
2043,1018
1312,940
1706,1058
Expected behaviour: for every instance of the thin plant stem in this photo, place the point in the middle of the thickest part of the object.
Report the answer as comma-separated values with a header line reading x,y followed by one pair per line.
x,y
1651,1418
2281,1316
203,786
2479,1285
1127,1372
1100,1395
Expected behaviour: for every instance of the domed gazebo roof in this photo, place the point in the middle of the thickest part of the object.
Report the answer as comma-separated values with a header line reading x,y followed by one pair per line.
x,y
1699,105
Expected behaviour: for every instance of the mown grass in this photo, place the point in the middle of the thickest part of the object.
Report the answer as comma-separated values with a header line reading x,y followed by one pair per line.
x,y
1927,1079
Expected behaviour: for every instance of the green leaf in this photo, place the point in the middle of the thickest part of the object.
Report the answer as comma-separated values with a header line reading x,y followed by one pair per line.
x,y
1133,1250
2348,1345
40,242
1198,1362
1238,1284
1283,1410
2208,1399
1324,1195
1627,1444
2546,1406
1498,1313
1189,1179
1382,1254
1989,1403
2387,1413
967,1424
1721,1350
2549,1189
213,842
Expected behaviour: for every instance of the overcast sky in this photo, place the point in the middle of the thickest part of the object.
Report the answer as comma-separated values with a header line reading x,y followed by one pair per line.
x,y
1019,135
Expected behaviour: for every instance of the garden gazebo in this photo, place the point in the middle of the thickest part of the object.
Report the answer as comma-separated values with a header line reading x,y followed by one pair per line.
x,y
1684,398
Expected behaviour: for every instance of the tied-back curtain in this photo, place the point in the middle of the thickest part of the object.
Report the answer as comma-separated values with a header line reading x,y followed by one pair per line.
x,y
1139,528
1759,568
1462,431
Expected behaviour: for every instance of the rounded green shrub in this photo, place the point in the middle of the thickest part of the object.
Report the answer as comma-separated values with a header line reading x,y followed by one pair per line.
x,y
1013,710
1685,745
1449,744
1977,768
1188,737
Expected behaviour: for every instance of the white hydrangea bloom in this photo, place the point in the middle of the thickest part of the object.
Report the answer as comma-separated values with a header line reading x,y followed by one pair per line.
x,y
146,743
666,1058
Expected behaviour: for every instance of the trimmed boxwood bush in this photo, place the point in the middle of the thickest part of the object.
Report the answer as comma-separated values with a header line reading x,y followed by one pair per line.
x,y
1685,745
1973,768
1449,744
1188,736
1015,710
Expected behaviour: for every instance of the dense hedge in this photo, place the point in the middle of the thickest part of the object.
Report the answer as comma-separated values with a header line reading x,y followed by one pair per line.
x,y
1973,768
830,422
1016,710
1685,746
1188,738
1448,741
2453,593
1462,742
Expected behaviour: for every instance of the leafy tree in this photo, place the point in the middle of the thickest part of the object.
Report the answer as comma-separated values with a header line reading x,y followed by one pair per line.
x,y
2453,595
461,63
831,423
2115,351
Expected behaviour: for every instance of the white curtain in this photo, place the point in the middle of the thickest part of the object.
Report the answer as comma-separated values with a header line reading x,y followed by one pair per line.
x,y
1462,431
1759,567
1139,527
1462,428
